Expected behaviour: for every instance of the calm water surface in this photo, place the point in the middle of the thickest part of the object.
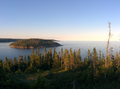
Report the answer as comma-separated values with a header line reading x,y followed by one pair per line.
x,y
5,50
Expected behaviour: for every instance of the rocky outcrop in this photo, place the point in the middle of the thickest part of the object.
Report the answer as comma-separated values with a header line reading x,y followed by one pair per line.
x,y
19,47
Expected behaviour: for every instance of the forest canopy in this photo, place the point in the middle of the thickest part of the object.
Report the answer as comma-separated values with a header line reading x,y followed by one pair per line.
x,y
34,43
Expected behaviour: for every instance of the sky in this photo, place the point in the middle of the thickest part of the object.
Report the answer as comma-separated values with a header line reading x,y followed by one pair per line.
x,y
65,20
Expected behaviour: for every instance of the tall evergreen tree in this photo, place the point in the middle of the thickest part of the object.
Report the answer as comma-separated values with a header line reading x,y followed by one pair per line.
x,y
89,56
78,58
6,60
25,59
66,60
15,64
50,58
100,59
95,59
29,60
61,57
38,51
117,60
56,61
71,59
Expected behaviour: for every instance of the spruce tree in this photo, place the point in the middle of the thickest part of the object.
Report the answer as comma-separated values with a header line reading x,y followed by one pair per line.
x,y
95,59
61,57
15,64
50,58
117,60
6,60
25,59
71,59
56,61
66,60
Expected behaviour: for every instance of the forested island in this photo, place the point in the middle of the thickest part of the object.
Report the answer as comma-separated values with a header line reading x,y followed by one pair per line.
x,y
34,43
8,40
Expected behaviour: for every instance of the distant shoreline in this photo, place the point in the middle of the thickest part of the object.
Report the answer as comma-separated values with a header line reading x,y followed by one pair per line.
x,y
8,40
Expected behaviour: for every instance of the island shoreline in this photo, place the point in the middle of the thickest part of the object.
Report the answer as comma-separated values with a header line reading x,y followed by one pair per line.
x,y
31,47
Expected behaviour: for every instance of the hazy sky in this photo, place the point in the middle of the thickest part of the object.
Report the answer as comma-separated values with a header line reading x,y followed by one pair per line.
x,y
79,20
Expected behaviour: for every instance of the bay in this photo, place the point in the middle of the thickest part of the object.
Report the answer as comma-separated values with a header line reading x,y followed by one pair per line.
x,y
5,50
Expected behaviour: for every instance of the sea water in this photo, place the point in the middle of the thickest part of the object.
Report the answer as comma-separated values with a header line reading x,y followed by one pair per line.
x,y
5,50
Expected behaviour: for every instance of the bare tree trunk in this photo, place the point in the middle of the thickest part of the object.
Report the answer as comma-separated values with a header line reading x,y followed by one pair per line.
x,y
106,61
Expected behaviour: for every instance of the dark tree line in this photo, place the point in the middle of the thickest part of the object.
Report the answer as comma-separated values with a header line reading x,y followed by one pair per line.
x,y
64,59
93,69
46,61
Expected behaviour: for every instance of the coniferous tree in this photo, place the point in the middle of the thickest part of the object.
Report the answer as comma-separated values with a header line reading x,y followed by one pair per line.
x,y
56,61
66,60
110,55
15,64
45,52
11,63
46,61
19,60
32,57
90,61
117,60
85,61
32,51
6,60
38,51
74,55
1,63
15,61
50,58
61,57
100,59
54,52
95,58
103,57
6,65
25,59
79,55
21,64
71,59
89,56
42,58
77,58
36,58
29,60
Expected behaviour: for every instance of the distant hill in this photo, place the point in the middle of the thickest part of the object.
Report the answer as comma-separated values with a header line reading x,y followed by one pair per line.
x,y
34,43
8,40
